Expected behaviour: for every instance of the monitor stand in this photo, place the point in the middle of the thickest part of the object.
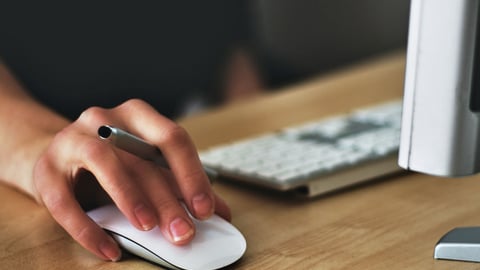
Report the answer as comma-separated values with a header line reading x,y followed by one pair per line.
x,y
459,244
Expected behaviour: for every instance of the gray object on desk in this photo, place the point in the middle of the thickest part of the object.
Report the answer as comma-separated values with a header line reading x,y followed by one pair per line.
x,y
459,244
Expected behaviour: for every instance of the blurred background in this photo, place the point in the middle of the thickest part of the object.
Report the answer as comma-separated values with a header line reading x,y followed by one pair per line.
x,y
182,56
298,39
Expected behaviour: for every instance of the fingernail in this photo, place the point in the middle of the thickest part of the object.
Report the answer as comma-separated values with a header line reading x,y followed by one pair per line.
x,y
109,249
145,217
203,206
180,230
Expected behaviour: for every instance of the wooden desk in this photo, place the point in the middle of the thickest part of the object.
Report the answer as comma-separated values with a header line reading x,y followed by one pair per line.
x,y
389,224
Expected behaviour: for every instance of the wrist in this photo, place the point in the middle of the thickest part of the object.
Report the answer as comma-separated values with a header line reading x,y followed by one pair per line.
x,y
18,169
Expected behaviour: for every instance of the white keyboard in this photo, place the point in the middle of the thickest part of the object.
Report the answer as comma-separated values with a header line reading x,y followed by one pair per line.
x,y
316,157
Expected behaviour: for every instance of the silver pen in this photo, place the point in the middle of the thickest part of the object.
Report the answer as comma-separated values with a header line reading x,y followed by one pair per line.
x,y
139,147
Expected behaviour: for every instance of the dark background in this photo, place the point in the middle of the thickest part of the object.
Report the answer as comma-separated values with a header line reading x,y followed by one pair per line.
x,y
75,54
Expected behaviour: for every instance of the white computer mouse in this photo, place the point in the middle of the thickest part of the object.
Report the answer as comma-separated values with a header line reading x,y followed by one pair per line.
x,y
217,243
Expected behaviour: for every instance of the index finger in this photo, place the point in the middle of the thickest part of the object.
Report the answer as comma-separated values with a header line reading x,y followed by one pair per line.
x,y
178,149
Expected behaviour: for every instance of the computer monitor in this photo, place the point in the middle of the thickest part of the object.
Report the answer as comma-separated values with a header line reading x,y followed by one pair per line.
x,y
440,125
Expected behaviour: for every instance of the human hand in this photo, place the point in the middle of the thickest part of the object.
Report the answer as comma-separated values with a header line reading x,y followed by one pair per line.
x,y
146,194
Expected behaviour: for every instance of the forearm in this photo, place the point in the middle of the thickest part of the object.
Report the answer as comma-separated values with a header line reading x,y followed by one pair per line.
x,y
26,128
